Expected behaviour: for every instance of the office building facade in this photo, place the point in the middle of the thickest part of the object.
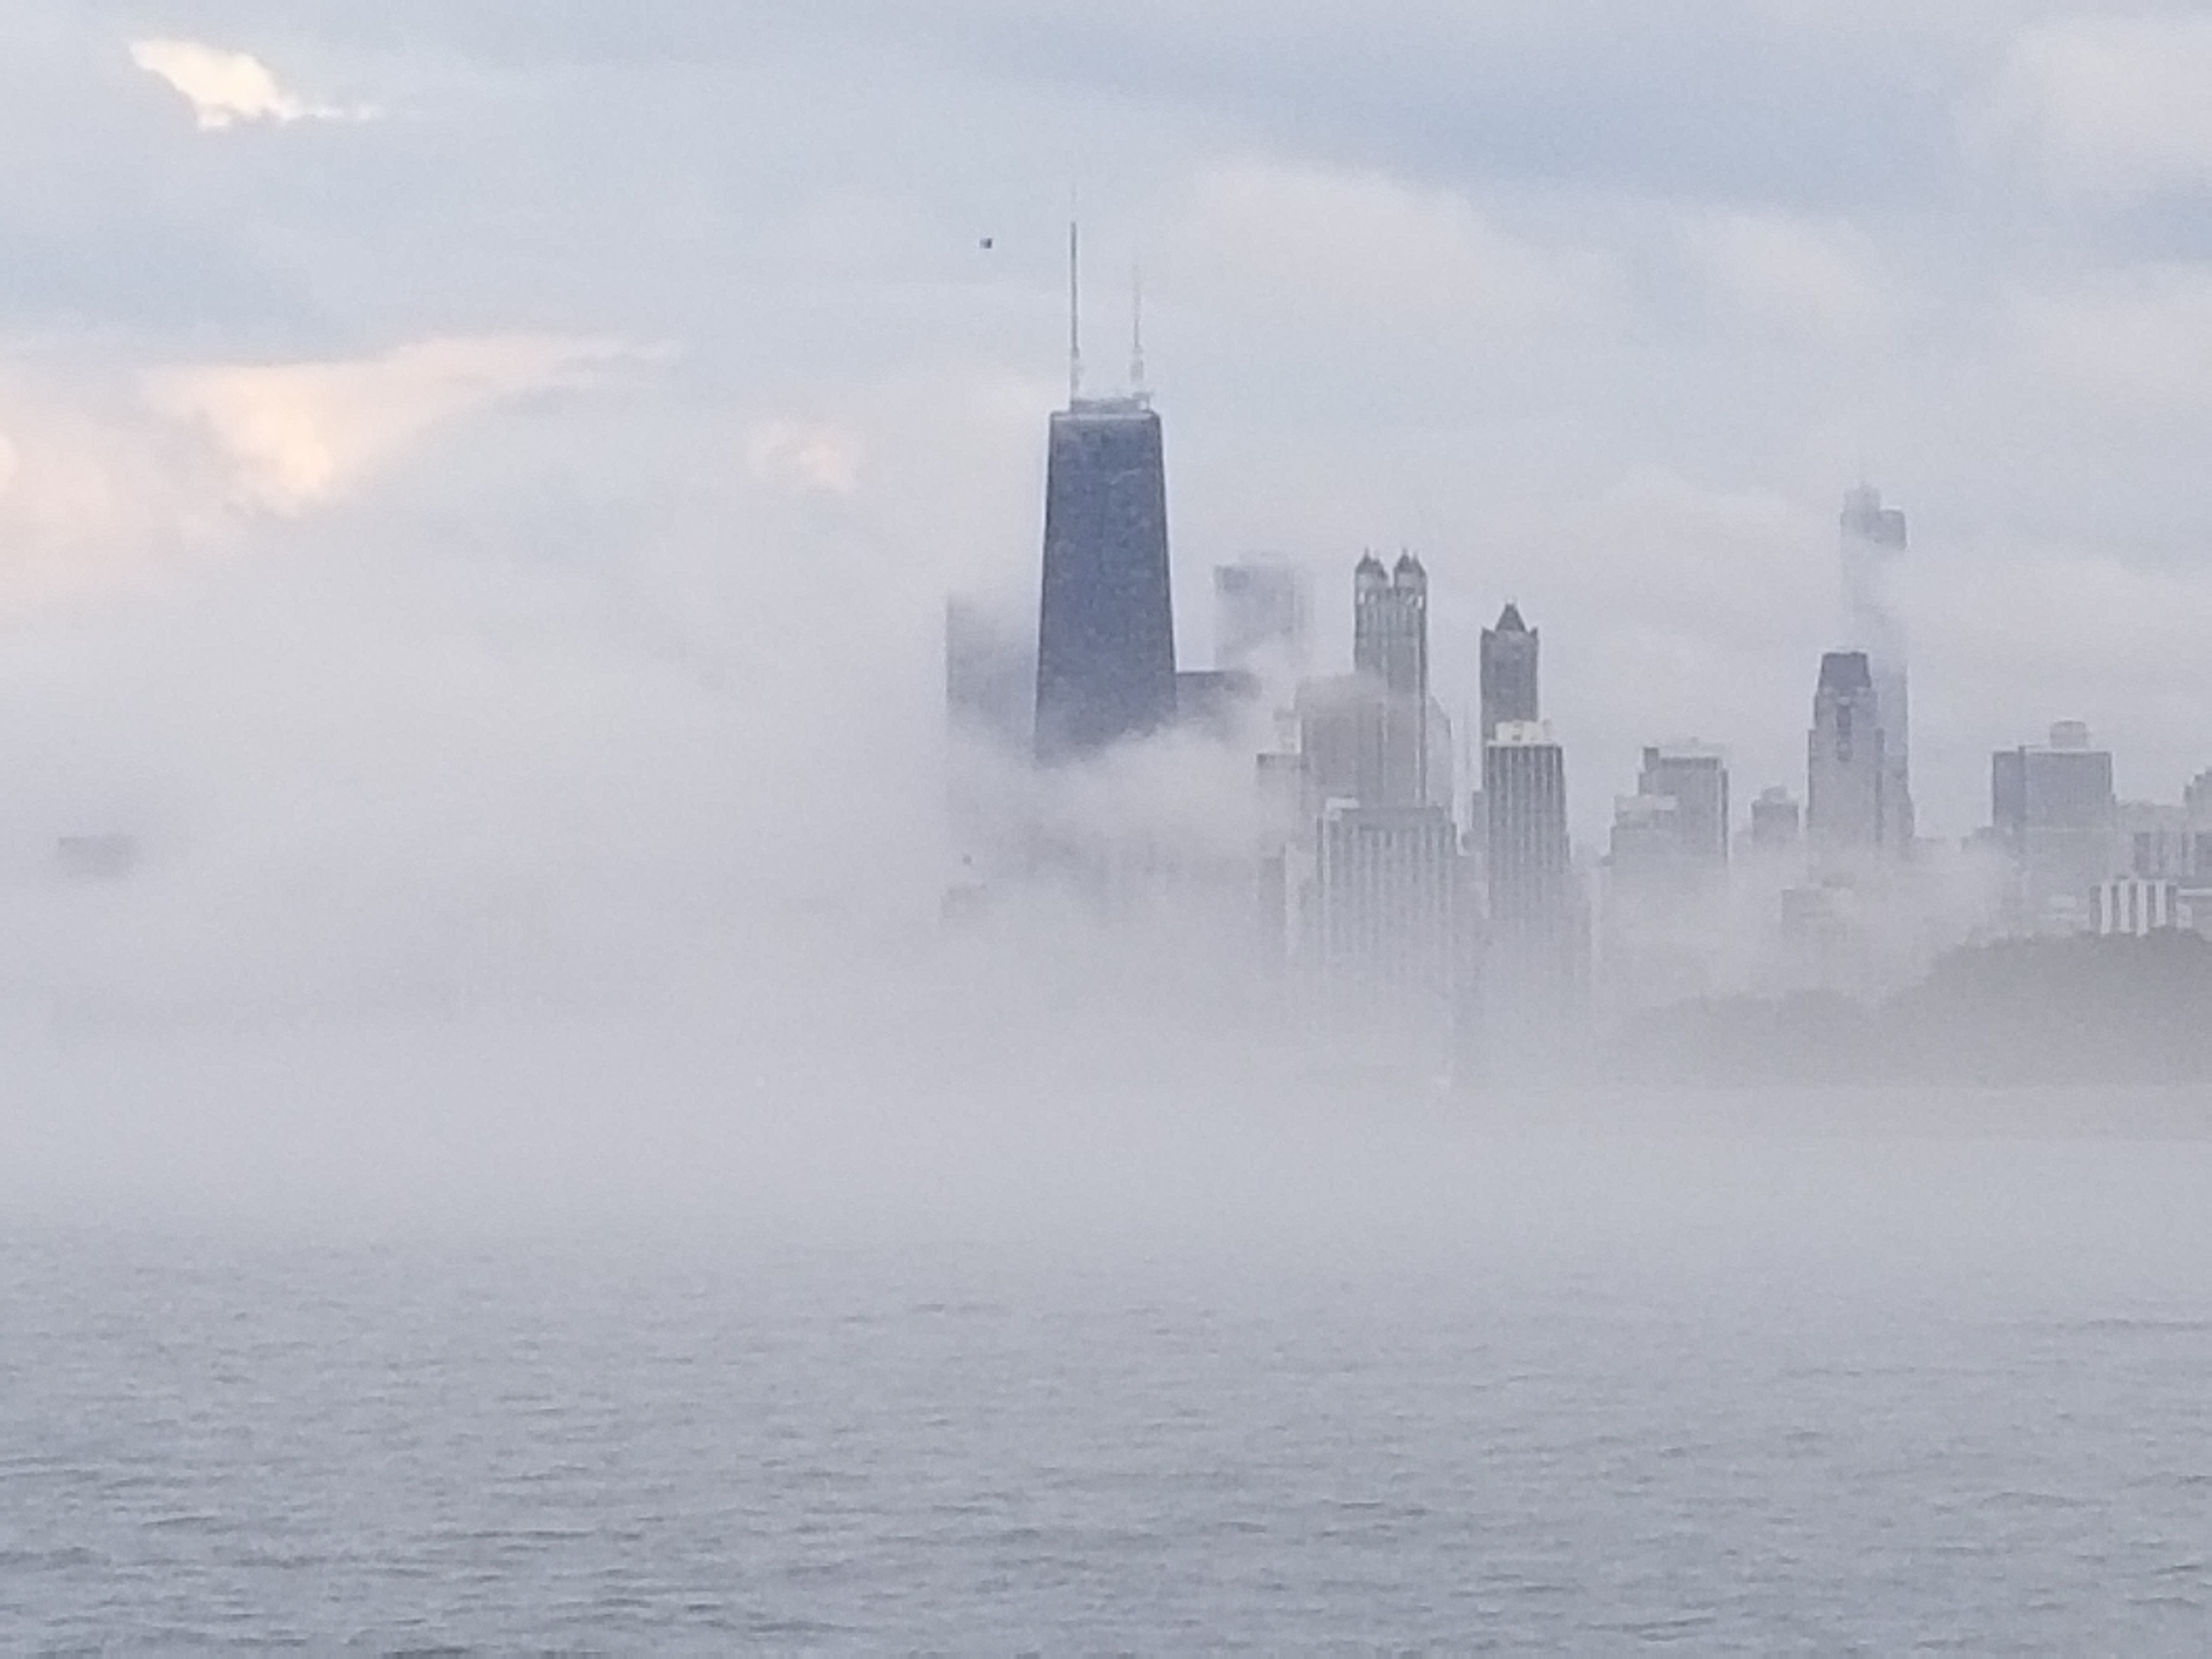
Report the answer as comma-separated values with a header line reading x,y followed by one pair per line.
x,y
1535,955
1693,776
1844,817
1106,665
1386,881
2052,808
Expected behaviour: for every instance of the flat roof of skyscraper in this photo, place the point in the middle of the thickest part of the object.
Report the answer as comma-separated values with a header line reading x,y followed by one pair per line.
x,y
1521,734
1128,407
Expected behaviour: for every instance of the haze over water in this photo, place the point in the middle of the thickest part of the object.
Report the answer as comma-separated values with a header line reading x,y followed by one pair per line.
x,y
1843,1382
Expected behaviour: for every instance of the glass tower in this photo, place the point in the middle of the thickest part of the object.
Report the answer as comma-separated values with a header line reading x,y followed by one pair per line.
x,y
1106,664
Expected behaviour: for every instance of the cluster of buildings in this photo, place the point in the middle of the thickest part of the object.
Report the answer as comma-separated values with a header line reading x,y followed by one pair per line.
x,y
1408,877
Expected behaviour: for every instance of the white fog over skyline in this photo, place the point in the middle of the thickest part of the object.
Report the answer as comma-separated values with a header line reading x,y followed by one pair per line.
x,y
557,1098
599,349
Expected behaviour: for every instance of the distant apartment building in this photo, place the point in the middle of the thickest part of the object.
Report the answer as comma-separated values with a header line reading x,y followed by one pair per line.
x,y
1694,776
2134,906
2051,807
1776,825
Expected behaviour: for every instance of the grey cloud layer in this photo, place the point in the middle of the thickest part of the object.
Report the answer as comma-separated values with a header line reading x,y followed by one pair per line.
x,y
1598,305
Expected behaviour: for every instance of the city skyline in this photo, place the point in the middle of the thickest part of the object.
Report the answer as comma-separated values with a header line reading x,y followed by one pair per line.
x,y
1475,927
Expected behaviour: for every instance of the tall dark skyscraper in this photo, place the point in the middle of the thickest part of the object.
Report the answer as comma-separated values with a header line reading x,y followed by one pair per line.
x,y
1509,673
1106,666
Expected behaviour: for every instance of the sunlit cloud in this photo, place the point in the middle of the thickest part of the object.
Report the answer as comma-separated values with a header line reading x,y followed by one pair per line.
x,y
227,89
296,435
805,456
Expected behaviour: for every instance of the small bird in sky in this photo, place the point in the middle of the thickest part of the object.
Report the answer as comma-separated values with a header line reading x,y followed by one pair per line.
x,y
987,243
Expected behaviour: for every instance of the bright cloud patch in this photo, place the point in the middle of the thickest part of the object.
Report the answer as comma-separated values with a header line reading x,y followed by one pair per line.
x,y
225,89
298,434
804,456
2113,105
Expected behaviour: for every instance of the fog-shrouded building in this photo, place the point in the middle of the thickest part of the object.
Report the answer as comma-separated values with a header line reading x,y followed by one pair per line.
x,y
2052,808
1390,653
1845,773
1386,882
1532,973
1376,737
990,701
1694,776
1508,668
1261,618
1776,821
1390,623
2137,906
990,672
1873,538
2158,839
1647,838
1106,665
1664,874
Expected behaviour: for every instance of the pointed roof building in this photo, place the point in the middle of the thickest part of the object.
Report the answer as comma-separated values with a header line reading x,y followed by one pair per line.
x,y
1509,673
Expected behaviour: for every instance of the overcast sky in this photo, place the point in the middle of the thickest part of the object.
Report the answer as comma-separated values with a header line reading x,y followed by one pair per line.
x,y
502,389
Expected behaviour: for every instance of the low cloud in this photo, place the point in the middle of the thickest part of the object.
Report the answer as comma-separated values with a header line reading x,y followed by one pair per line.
x,y
2104,105
2140,338
1352,248
229,88
1802,274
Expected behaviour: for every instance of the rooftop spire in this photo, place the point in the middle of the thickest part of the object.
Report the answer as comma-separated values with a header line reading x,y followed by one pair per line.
x,y
1074,304
1136,326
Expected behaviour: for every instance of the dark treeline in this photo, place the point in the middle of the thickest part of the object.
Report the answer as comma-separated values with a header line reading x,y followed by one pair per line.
x,y
2023,1012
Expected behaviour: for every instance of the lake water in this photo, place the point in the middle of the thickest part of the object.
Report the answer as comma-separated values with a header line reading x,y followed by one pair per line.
x,y
1420,1382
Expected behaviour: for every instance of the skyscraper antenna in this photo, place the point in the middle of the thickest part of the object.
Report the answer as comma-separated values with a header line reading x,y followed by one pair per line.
x,y
1074,305
1136,326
